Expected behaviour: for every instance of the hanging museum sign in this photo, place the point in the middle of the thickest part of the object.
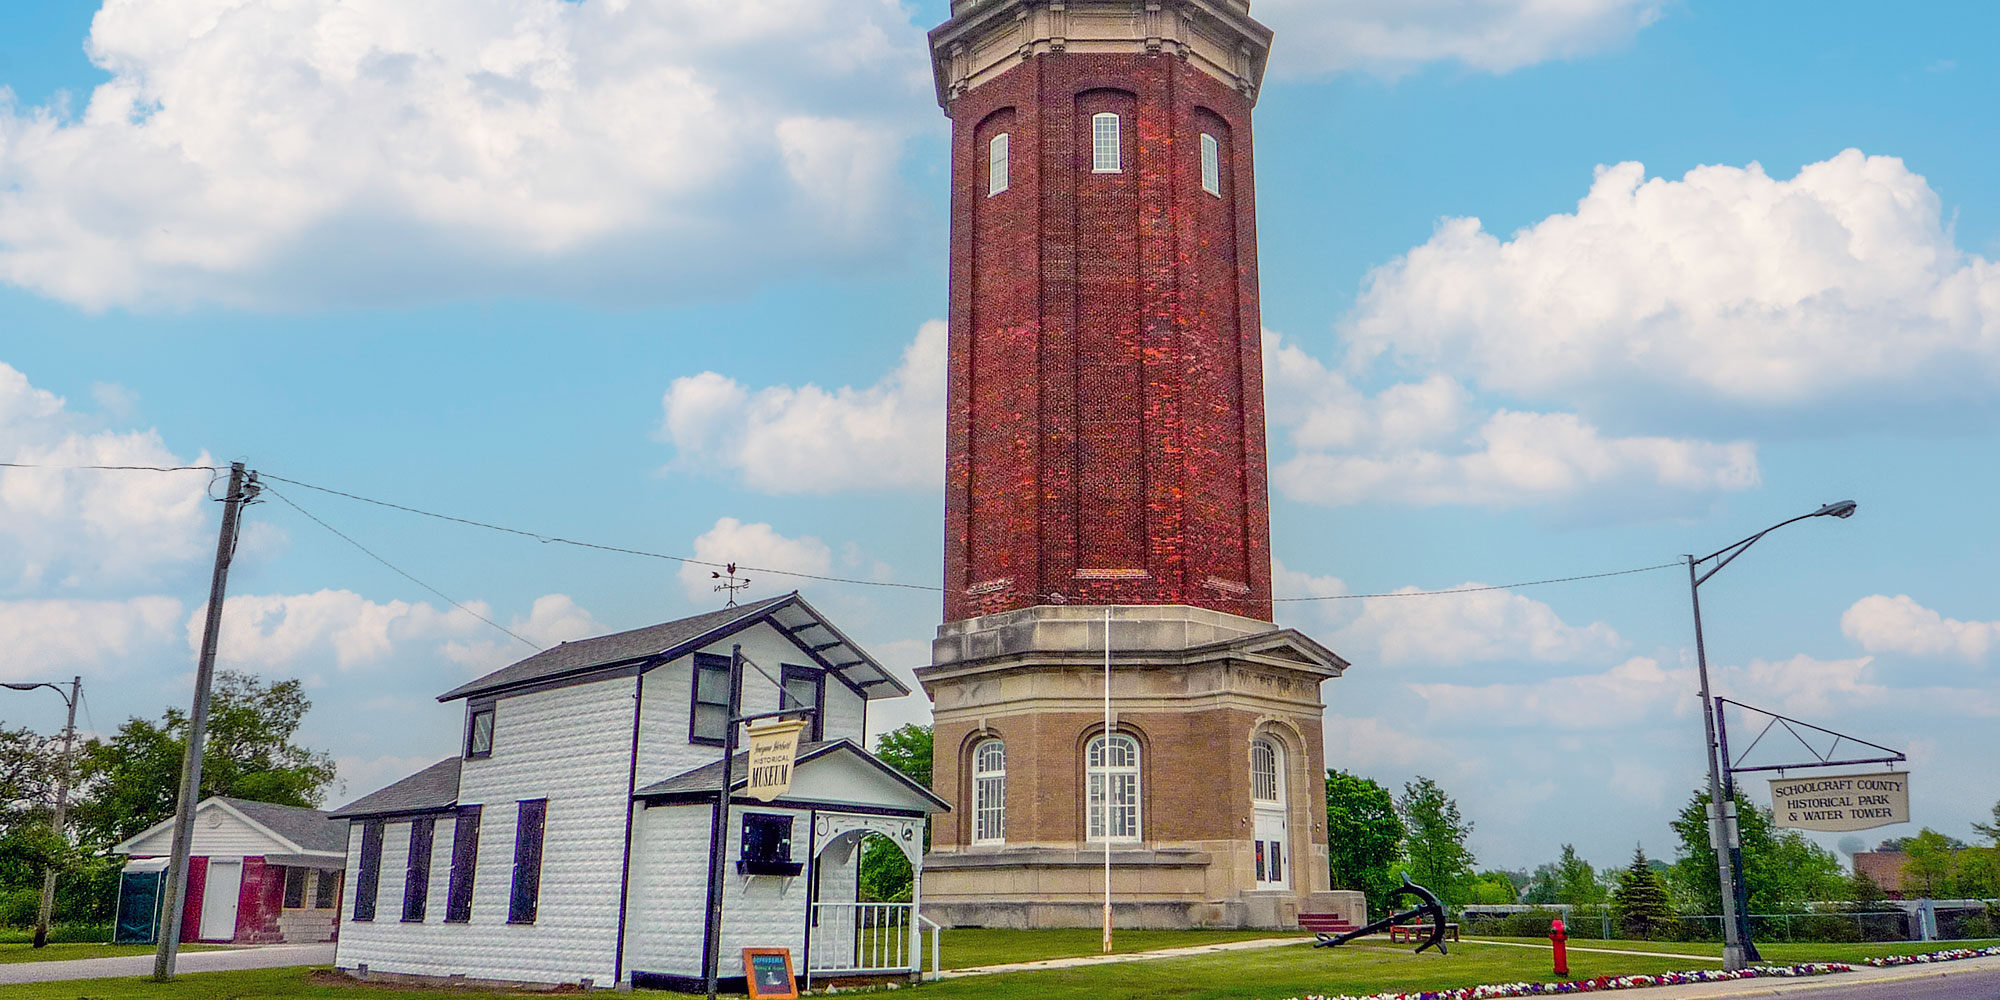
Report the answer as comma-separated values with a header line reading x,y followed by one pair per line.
x,y
773,748
1838,803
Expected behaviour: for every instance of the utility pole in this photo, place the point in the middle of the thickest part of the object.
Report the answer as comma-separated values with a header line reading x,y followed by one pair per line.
x,y
62,815
239,493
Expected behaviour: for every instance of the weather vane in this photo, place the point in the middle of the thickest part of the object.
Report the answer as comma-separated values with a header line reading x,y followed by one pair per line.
x,y
731,583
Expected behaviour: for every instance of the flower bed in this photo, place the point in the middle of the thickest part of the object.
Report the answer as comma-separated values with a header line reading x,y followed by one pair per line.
x,y
1948,955
1494,990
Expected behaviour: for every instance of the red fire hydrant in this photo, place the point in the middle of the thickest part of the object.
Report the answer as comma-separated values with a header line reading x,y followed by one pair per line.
x,y
1561,939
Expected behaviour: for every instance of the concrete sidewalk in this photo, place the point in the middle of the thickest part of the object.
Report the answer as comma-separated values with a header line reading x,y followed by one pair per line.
x,y
276,956
1862,975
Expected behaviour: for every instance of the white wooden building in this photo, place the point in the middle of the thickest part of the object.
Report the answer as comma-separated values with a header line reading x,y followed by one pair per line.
x,y
258,872
568,841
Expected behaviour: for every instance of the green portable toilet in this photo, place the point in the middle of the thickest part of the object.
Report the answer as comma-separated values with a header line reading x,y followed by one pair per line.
x,y
139,888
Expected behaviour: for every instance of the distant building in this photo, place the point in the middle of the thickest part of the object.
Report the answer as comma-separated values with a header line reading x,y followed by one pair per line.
x,y
1884,868
258,873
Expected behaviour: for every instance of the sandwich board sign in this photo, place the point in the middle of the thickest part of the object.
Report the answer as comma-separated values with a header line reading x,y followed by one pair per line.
x,y
1839,803
774,747
767,973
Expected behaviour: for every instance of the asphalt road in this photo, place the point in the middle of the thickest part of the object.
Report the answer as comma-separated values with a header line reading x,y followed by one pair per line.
x,y
1972,984
266,957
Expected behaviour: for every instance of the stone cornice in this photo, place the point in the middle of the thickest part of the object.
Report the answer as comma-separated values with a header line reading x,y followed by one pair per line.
x,y
985,38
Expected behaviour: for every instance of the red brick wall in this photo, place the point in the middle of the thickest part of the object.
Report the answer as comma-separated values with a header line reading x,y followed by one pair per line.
x,y
1106,430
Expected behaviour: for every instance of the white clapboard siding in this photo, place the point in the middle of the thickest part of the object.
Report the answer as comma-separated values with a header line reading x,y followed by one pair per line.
x,y
387,944
664,750
846,714
573,747
669,889
218,833
764,911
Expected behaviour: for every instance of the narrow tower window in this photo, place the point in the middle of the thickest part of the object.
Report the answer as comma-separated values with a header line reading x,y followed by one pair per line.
x,y
989,793
1107,156
1113,765
1211,165
1264,771
997,175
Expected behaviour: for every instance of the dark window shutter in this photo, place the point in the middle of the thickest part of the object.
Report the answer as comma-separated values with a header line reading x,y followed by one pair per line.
x,y
370,874
464,860
295,888
417,877
527,889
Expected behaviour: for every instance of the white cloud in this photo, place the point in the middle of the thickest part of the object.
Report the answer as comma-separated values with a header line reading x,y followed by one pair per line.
x,y
1366,744
1803,685
553,619
356,776
46,639
1637,689
1424,443
262,631
1468,628
89,529
809,440
1883,624
1390,37
339,149
1727,285
732,541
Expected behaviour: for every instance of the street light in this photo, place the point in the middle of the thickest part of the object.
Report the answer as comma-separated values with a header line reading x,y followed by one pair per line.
x,y
62,801
1737,949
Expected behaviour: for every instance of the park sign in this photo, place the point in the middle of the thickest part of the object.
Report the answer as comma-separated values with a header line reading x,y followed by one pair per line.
x,y
774,746
1838,803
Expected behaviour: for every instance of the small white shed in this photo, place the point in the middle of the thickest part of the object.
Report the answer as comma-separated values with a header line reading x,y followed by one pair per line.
x,y
258,873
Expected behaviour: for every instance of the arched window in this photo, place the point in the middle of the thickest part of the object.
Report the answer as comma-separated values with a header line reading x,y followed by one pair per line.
x,y
1112,765
989,792
1266,785
1211,165
997,174
1106,151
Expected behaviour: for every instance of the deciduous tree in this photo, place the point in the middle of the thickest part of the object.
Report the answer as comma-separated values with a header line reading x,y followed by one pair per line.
x,y
885,872
131,780
1434,840
1364,836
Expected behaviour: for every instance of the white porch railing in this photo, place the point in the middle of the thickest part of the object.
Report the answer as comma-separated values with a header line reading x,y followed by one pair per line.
x,y
862,938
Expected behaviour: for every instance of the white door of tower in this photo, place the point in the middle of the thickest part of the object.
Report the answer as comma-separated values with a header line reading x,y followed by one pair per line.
x,y
1272,848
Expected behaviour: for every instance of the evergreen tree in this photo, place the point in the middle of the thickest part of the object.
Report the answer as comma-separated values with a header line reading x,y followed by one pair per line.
x,y
1364,836
1865,894
1435,840
1990,831
1642,903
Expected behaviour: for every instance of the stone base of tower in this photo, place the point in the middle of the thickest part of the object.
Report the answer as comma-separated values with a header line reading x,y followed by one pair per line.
x,y
1225,715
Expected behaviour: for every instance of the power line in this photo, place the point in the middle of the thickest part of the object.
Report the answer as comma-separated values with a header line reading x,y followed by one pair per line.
x,y
1481,589
116,468
365,550
689,560
556,540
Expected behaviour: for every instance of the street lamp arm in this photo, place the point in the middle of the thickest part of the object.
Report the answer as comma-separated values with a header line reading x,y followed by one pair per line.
x,y
1728,553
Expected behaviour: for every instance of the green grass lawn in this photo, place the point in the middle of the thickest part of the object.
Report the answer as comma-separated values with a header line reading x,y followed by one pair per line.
x,y
1263,974
1774,954
972,947
23,952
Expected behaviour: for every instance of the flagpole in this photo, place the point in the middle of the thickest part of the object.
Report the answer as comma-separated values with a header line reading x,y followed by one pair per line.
x,y
1105,808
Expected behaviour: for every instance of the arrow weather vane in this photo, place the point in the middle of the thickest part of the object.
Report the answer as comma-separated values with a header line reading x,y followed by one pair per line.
x,y
730,584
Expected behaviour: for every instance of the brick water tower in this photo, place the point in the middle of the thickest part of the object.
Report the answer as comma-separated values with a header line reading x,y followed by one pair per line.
x,y
1106,460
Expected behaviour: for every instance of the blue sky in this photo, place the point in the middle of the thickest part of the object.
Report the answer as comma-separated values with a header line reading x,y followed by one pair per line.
x,y
624,276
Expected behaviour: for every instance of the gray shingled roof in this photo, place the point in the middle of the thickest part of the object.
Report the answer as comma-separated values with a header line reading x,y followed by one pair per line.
x,y
311,829
788,612
618,647
707,776
434,787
